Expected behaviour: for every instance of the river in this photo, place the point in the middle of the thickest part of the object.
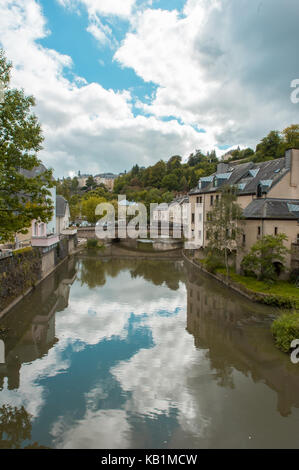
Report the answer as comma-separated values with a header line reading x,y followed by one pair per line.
x,y
143,353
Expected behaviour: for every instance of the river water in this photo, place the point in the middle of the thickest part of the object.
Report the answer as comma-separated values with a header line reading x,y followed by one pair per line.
x,y
143,353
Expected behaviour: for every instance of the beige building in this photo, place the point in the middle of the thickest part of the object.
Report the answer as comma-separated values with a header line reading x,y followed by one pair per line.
x,y
107,179
268,192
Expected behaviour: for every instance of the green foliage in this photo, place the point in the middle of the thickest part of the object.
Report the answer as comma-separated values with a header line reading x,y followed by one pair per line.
x,y
291,136
262,256
172,176
22,199
22,251
90,182
224,224
213,261
280,294
92,243
89,207
270,147
15,426
285,329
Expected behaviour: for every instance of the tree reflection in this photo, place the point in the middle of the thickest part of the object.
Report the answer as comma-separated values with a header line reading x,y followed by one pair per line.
x,y
235,334
15,426
160,272
94,271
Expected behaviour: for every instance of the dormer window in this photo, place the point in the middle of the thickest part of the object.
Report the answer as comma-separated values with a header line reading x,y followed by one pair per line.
x,y
253,172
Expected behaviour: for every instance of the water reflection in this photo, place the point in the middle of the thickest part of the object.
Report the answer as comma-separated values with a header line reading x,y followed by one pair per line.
x,y
142,353
236,335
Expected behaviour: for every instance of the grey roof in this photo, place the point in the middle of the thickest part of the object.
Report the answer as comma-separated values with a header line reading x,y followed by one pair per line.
x,y
106,175
246,176
180,200
271,208
36,171
61,205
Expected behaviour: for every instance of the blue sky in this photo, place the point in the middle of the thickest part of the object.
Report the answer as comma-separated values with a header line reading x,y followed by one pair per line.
x,y
135,81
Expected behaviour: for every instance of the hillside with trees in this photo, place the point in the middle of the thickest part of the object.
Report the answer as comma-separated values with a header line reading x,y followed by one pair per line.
x,y
164,180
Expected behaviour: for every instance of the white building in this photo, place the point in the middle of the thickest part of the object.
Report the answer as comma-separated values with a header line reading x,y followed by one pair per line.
x,y
62,214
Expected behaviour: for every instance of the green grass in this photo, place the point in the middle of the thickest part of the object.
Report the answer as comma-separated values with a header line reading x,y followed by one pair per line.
x,y
285,329
22,250
287,294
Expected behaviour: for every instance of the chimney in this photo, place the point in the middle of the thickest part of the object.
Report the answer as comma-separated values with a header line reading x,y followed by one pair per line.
x,y
222,167
292,163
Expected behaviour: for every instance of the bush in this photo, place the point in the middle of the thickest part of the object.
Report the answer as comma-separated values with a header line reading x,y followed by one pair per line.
x,y
212,263
92,243
20,251
285,329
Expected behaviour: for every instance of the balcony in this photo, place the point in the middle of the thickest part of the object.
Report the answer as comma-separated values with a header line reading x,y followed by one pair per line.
x,y
69,231
45,241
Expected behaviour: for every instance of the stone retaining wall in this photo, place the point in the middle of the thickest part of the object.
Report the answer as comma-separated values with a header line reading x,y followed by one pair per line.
x,y
26,268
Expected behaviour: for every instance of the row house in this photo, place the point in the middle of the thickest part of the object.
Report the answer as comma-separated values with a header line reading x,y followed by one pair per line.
x,y
268,193
42,234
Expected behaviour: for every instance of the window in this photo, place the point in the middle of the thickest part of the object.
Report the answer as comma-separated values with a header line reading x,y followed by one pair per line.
x,y
200,200
244,239
199,234
217,198
259,230
297,237
193,218
275,230
200,217
212,200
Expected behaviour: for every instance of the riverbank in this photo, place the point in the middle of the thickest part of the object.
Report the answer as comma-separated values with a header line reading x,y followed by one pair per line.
x,y
15,270
281,294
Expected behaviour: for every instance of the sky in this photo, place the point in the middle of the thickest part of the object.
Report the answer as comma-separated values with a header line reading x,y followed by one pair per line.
x,y
119,82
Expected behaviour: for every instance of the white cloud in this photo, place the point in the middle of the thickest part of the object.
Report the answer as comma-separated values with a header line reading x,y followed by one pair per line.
x,y
102,7
151,377
94,431
86,126
214,66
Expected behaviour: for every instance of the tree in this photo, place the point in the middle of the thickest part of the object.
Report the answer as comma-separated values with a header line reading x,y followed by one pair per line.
x,y
89,207
22,198
261,259
291,136
224,225
174,162
170,182
195,159
270,147
90,182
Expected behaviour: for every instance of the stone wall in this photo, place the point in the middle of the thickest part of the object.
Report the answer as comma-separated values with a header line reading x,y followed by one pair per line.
x,y
23,270
48,262
19,273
